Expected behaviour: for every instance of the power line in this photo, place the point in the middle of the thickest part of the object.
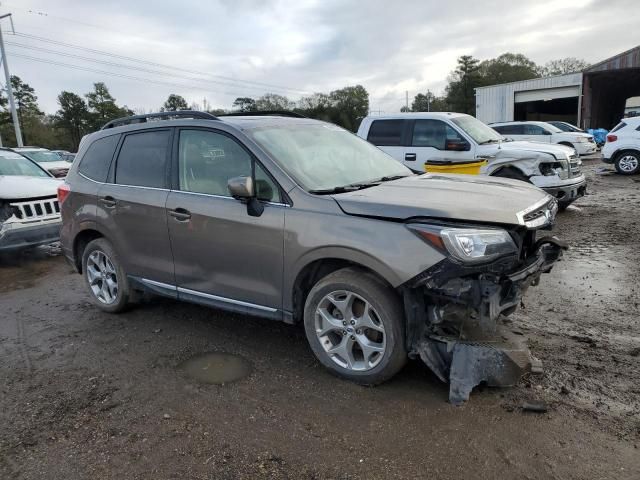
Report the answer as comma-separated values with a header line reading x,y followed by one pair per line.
x,y
155,64
121,75
131,67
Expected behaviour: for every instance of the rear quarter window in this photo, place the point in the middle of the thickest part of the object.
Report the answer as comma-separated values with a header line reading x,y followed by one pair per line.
x,y
96,161
620,126
386,132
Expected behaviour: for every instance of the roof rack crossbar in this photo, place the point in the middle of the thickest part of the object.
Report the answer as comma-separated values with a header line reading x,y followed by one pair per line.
x,y
282,113
118,122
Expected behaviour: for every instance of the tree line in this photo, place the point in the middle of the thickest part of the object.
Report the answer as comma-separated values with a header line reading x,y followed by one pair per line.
x,y
81,114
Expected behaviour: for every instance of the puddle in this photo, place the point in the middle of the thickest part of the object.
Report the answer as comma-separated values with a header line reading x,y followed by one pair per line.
x,y
216,368
22,269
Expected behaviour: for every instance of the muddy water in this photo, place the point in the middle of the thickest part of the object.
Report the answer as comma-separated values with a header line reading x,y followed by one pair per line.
x,y
20,270
216,368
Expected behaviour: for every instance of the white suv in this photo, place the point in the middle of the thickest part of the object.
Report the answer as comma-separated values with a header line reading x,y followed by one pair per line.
x,y
431,138
623,146
583,143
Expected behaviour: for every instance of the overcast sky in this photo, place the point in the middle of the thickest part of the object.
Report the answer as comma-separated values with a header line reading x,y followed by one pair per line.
x,y
298,46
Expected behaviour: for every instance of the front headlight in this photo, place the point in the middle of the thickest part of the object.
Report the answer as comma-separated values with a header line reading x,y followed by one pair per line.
x,y
469,245
580,139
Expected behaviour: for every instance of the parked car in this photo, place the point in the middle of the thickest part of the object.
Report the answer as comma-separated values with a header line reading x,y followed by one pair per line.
x,y
299,220
416,139
65,155
583,143
48,160
623,146
29,210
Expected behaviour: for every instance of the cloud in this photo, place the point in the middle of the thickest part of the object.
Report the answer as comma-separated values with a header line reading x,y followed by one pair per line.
x,y
389,47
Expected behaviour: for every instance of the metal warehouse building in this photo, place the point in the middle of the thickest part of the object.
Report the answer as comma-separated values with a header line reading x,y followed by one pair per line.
x,y
594,98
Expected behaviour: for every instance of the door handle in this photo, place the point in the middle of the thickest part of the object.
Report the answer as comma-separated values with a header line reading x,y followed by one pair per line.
x,y
180,214
410,157
108,201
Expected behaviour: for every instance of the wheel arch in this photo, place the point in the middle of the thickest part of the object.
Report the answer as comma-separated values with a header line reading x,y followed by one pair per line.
x,y
82,238
321,263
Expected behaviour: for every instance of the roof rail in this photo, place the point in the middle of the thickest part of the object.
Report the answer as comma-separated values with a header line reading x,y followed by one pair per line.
x,y
118,122
282,113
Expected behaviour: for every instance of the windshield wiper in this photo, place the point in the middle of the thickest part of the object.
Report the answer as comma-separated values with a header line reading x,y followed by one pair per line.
x,y
352,187
492,140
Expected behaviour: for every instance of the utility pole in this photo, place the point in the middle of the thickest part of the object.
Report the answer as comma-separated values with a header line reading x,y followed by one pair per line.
x,y
428,101
406,99
12,103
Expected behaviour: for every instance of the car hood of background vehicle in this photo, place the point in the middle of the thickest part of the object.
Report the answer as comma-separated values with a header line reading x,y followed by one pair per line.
x,y
13,187
553,149
55,165
453,197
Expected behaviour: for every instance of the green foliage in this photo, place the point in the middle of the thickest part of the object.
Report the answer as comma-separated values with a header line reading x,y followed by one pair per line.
x,y
508,67
102,107
73,117
244,104
273,101
428,102
562,66
174,103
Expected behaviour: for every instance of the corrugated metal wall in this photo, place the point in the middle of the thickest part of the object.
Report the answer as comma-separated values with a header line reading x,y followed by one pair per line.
x,y
496,103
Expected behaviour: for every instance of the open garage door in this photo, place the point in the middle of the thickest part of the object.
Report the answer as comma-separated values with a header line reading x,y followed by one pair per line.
x,y
607,85
547,94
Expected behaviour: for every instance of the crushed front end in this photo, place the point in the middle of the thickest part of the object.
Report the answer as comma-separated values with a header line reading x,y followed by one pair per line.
x,y
455,308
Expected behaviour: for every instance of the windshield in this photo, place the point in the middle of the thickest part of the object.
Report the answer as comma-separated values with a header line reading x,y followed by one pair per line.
x,y
565,127
41,156
477,130
551,128
322,156
14,164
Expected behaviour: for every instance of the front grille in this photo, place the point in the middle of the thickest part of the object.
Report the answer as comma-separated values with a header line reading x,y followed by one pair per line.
x,y
542,216
39,209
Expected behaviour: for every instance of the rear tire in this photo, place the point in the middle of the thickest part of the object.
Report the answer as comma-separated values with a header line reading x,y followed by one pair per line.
x,y
628,162
354,323
104,277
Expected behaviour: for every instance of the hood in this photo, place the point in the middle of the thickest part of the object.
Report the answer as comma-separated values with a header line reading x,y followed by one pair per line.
x,y
552,148
14,187
54,165
452,197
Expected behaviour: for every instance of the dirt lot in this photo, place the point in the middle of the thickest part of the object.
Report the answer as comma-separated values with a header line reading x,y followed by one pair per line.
x,y
90,395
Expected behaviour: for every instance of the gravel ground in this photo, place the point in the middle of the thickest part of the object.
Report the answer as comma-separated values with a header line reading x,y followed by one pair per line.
x,y
90,395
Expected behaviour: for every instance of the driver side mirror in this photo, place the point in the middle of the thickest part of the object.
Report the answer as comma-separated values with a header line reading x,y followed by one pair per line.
x,y
243,189
457,146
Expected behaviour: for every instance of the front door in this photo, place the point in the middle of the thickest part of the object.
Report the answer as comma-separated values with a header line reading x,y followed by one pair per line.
x,y
131,205
221,253
431,141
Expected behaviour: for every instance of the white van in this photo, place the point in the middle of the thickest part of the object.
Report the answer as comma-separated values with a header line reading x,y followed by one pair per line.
x,y
583,142
441,138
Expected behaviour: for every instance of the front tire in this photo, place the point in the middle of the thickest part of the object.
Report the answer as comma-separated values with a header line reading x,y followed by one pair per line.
x,y
354,323
104,277
628,162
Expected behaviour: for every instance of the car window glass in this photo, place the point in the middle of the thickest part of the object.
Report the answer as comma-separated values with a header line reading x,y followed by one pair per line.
x,y
143,158
96,161
433,133
620,126
533,130
386,132
14,164
207,160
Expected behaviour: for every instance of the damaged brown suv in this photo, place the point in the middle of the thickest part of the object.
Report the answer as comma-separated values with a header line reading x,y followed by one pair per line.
x,y
299,220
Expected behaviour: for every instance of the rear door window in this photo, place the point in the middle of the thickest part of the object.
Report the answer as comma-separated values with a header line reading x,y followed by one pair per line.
x,y
96,161
143,158
386,133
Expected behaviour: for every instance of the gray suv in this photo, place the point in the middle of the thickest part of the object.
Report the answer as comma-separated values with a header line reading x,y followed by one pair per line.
x,y
298,220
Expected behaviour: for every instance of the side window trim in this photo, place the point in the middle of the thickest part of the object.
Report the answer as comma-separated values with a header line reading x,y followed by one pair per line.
x,y
113,156
174,179
168,161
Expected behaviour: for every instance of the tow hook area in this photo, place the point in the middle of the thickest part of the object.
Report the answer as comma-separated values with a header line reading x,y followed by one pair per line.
x,y
460,336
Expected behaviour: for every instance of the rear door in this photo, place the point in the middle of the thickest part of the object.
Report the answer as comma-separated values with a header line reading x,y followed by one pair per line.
x,y
391,136
131,206
222,254
535,133
435,140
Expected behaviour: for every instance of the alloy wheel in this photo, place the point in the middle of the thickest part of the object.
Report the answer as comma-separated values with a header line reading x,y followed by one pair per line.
x,y
350,330
628,163
102,277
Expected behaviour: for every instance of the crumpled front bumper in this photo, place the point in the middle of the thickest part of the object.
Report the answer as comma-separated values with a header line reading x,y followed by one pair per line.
x,y
462,340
